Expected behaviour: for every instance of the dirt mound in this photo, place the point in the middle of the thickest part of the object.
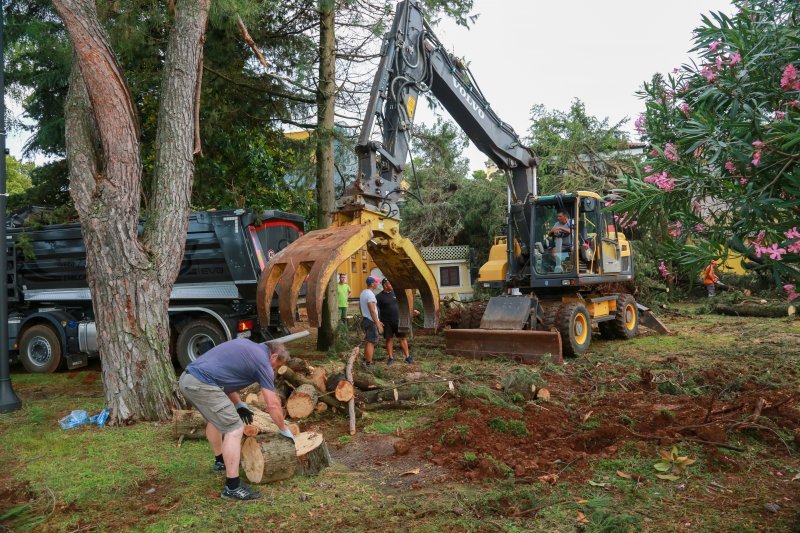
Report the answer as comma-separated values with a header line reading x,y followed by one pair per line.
x,y
482,440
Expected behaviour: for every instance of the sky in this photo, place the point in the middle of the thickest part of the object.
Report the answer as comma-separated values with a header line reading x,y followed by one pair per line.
x,y
526,52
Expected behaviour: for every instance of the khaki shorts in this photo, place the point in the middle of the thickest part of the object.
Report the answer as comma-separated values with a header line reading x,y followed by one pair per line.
x,y
212,402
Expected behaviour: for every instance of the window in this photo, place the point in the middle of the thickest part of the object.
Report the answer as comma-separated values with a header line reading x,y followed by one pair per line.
x,y
364,268
449,276
353,267
363,255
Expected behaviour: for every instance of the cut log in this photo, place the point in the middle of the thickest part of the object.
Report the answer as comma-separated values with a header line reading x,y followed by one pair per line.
x,y
388,395
333,380
256,400
365,382
268,458
344,391
338,384
255,388
543,394
302,401
318,377
312,453
773,310
298,365
296,379
188,423
321,407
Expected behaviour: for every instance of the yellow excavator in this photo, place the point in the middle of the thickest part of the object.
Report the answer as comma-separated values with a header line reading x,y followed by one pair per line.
x,y
557,254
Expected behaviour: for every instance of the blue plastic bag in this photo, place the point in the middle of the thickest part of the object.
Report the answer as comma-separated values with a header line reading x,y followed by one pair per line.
x,y
100,418
74,419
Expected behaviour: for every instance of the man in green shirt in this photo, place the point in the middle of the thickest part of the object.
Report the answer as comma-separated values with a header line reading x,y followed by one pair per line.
x,y
343,293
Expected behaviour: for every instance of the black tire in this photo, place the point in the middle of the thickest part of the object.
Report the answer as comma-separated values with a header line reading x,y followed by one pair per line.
x,y
40,349
626,320
195,339
575,327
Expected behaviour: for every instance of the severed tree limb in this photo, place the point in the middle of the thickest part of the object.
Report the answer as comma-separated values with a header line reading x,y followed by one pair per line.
x,y
351,404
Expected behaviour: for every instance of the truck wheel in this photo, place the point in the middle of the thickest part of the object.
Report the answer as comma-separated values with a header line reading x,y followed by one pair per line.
x,y
40,349
626,322
575,328
197,338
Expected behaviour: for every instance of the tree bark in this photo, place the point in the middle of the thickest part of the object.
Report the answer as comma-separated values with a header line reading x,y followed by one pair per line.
x,y
326,100
312,454
131,278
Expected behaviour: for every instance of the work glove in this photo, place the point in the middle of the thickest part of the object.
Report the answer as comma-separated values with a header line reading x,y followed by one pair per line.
x,y
244,413
287,433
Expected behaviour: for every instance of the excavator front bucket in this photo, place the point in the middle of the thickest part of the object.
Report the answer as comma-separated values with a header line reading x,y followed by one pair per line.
x,y
502,333
315,257
524,346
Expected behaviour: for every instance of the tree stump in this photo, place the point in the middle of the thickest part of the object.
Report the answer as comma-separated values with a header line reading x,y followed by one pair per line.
x,y
312,453
267,459
189,423
302,401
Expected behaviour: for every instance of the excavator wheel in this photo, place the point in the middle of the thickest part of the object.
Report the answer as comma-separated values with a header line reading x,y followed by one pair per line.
x,y
575,327
626,321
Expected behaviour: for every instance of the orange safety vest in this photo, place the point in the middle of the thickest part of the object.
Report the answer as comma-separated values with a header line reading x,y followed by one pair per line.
x,y
709,276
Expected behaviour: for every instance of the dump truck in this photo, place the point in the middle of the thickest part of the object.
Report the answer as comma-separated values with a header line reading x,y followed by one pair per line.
x,y
556,286
51,319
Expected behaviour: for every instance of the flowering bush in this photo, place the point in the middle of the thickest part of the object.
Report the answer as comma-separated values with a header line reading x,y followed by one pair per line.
x,y
722,172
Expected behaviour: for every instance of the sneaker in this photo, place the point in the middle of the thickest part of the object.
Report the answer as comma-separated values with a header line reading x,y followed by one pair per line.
x,y
241,493
365,363
389,361
410,360
218,468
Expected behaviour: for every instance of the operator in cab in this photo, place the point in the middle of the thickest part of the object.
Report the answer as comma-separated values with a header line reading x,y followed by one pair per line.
x,y
561,235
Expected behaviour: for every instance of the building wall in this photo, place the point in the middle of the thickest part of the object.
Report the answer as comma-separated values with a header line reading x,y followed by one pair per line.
x,y
464,289
357,267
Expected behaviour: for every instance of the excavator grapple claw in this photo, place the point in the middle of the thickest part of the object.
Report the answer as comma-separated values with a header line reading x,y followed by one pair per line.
x,y
315,257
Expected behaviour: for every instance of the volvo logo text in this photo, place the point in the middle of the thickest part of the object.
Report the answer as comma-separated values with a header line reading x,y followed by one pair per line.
x,y
465,95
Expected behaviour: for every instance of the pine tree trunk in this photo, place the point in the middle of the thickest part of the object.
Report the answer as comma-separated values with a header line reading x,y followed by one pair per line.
x,y
326,100
131,277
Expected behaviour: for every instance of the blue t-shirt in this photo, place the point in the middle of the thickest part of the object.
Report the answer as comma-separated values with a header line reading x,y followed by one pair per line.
x,y
233,365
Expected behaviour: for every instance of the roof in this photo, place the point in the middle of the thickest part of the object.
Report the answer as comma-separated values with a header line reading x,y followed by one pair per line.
x,y
445,253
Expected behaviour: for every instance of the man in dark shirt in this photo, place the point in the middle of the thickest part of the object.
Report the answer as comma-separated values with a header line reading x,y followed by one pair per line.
x,y
389,312
212,383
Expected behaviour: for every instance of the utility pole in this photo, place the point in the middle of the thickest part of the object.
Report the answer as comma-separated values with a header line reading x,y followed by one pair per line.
x,y
8,399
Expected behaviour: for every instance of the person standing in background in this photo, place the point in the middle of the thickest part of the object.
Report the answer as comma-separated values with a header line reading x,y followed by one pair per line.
x,y
369,321
390,311
342,294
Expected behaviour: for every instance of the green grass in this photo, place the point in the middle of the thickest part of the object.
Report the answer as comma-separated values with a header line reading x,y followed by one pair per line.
x,y
98,477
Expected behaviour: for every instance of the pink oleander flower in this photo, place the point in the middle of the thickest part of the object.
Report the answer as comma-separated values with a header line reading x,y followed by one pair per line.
x,y
700,228
718,62
663,269
662,181
708,73
743,181
760,236
758,249
780,115
640,124
775,252
697,206
789,81
671,152
676,70
788,287
792,233
793,296
730,167
676,229
685,110
794,248
648,168
713,47
736,58
757,153
653,152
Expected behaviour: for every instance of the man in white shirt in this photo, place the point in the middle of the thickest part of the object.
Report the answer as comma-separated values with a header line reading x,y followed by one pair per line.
x,y
370,322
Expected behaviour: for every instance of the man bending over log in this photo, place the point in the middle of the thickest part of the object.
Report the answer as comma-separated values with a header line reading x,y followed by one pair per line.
x,y
211,382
